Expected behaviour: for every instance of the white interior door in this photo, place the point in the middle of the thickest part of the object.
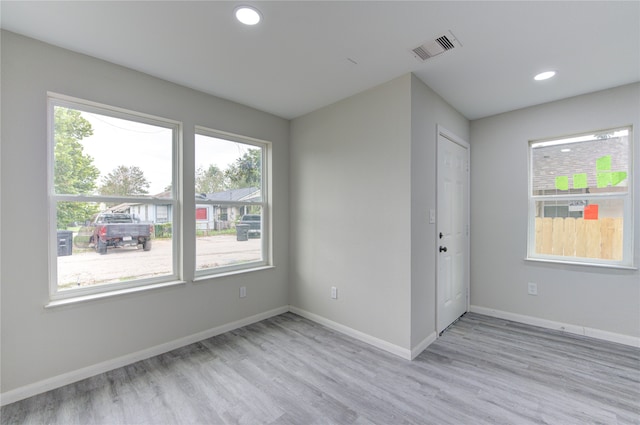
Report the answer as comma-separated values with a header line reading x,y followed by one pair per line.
x,y
452,228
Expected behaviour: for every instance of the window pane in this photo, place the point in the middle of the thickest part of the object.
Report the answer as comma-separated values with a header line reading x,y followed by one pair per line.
x,y
597,163
228,235
112,234
116,244
580,229
99,154
228,182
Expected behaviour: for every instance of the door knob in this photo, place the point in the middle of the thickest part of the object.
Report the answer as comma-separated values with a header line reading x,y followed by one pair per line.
x,y
443,249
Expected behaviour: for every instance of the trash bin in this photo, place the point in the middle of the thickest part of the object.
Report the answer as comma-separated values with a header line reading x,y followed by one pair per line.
x,y
65,242
242,232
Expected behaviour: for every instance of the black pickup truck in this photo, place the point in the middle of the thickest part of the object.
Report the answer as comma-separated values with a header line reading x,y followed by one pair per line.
x,y
114,230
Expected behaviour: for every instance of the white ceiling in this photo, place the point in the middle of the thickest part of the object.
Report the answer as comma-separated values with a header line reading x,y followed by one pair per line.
x,y
300,57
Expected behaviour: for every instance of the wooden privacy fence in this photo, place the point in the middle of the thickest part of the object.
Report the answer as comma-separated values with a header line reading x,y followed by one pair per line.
x,y
577,237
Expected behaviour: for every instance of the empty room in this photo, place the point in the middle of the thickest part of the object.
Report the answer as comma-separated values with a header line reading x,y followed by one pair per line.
x,y
332,212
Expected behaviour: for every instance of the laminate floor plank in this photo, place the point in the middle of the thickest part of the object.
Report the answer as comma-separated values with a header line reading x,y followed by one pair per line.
x,y
288,370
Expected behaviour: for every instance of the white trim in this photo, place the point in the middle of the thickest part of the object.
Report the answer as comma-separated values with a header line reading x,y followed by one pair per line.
x,y
580,263
89,371
265,204
559,326
360,336
102,295
176,127
442,131
199,279
415,351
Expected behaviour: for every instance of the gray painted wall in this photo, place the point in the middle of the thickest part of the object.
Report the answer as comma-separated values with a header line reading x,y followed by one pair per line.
x,y
38,344
350,211
597,298
362,181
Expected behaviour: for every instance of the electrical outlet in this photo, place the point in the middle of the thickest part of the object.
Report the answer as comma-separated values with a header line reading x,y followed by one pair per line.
x,y
243,291
532,288
334,293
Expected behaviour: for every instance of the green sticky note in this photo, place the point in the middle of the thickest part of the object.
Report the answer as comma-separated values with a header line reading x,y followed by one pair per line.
x,y
617,177
562,183
580,181
603,179
603,163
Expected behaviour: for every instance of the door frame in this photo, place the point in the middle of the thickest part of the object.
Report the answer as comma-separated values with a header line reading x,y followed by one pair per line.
x,y
444,132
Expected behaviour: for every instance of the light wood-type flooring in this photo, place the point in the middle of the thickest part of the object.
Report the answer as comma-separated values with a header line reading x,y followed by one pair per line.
x,y
288,370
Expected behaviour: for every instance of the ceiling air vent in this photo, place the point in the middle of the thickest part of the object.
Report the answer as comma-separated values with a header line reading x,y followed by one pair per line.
x,y
435,47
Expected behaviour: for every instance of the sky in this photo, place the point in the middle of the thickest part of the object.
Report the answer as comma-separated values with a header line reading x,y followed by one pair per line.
x,y
118,142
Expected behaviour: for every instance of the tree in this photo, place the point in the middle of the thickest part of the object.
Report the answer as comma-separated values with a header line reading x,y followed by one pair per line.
x,y
246,171
125,181
210,180
73,171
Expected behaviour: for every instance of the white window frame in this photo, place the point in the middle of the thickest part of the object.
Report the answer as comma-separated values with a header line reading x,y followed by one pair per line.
x,y
628,215
55,99
265,204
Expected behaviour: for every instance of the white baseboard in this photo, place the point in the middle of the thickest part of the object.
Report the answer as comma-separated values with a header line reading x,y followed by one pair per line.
x,y
89,371
360,336
415,351
558,326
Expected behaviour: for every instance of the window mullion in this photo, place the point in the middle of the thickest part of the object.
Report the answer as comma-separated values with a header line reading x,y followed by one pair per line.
x,y
619,195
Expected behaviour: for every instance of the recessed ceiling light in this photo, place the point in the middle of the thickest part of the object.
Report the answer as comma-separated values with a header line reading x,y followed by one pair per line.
x,y
247,15
565,150
544,75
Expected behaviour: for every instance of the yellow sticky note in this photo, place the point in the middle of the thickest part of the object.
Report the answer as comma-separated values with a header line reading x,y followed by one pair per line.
x,y
580,181
603,179
603,163
562,183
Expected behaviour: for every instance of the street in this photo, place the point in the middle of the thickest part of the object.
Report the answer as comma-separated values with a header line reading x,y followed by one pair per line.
x,y
86,267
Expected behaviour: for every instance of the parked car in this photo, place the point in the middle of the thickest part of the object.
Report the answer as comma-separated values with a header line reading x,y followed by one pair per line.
x,y
255,224
114,230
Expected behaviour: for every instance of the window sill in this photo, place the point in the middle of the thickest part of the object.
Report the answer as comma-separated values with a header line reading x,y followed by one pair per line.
x,y
202,278
578,263
103,295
